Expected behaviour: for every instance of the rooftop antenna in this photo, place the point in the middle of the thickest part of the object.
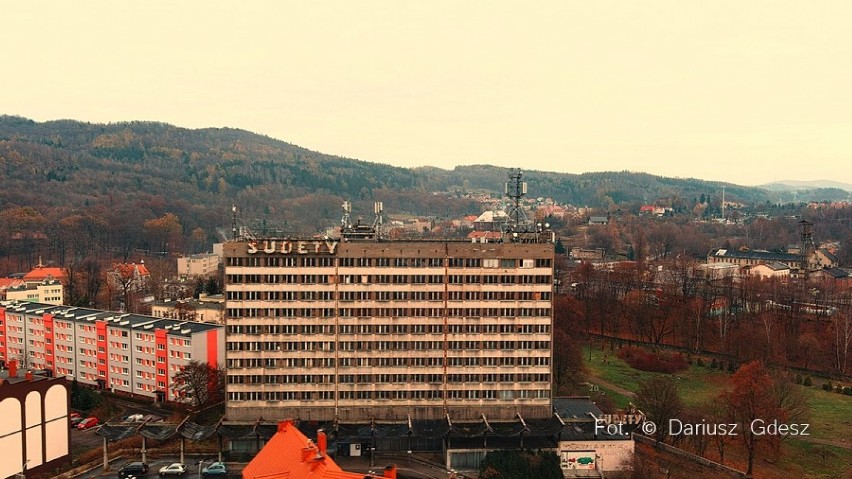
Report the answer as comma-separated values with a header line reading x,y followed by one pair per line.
x,y
515,190
377,223
234,222
346,221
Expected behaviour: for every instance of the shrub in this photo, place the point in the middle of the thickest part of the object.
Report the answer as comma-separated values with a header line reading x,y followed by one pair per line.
x,y
699,362
838,389
659,362
731,367
714,364
827,386
847,391
798,379
807,381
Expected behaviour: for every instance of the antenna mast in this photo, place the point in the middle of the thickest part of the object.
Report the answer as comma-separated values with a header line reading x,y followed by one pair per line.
x,y
377,223
807,245
234,222
515,190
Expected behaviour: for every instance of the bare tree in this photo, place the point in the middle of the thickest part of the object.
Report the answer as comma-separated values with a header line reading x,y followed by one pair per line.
x,y
200,382
659,400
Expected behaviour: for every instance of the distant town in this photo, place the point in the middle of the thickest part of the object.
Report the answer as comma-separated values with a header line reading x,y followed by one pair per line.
x,y
464,343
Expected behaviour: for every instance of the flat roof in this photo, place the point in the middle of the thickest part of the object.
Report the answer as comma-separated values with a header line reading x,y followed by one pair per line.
x,y
131,321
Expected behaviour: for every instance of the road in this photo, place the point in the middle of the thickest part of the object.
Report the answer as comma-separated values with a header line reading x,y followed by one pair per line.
x,y
235,470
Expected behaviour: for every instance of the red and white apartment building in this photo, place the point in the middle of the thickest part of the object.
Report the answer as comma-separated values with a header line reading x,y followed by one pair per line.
x,y
127,353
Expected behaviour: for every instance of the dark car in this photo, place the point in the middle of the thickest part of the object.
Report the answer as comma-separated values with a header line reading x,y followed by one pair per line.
x,y
133,469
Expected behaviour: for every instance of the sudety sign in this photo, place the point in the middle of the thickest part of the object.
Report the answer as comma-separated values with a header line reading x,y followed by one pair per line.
x,y
291,247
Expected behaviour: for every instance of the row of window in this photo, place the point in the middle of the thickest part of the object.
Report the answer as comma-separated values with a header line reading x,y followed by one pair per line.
x,y
397,328
386,312
504,279
394,361
388,395
387,378
327,262
389,296
365,346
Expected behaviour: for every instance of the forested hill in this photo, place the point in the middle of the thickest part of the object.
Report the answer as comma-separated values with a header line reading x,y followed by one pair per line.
x,y
132,172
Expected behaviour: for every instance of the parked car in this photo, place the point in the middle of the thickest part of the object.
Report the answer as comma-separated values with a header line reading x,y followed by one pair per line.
x,y
75,418
134,418
215,469
133,469
175,469
87,423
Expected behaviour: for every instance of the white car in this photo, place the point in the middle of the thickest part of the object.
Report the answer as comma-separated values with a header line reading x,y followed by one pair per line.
x,y
175,469
134,418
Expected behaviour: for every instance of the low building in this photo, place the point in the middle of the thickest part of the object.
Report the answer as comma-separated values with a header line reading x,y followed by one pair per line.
x,y
596,254
128,353
598,220
205,309
48,291
289,454
198,265
594,442
713,271
771,269
34,425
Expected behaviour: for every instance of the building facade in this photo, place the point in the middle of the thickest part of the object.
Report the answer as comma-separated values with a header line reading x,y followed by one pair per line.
x,y
47,291
198,265
127,353
360,330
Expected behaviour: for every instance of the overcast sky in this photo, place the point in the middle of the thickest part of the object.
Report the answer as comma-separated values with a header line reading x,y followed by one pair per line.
x,y
745,92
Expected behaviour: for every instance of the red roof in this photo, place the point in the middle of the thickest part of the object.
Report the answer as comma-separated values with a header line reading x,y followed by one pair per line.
x,y
131,269
289,454
40,273
6,283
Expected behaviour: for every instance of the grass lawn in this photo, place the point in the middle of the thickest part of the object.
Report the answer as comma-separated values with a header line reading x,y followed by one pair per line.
x,y
830,413
696,384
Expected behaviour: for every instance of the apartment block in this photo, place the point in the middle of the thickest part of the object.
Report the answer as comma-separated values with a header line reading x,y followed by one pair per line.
x,y
362,329
127,353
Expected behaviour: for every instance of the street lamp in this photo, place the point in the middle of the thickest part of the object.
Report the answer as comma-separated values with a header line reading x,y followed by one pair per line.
x,y
200,463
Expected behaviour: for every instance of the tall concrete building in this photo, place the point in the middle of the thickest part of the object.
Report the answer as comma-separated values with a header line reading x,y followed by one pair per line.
x,y
362,329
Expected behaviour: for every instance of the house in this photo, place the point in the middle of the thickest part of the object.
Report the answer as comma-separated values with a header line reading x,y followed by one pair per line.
x,y
48,291
41,273
770,269
7,283
836,275
130,276
599,220
491,221
289,454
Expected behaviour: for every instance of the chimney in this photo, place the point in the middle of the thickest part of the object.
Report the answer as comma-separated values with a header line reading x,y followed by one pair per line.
x,y
322,442
28,376
13,368
390,471
309,452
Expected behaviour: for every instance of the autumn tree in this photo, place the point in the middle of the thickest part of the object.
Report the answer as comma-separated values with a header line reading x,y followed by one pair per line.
x,y
749,398
164,233
200,382
659,400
